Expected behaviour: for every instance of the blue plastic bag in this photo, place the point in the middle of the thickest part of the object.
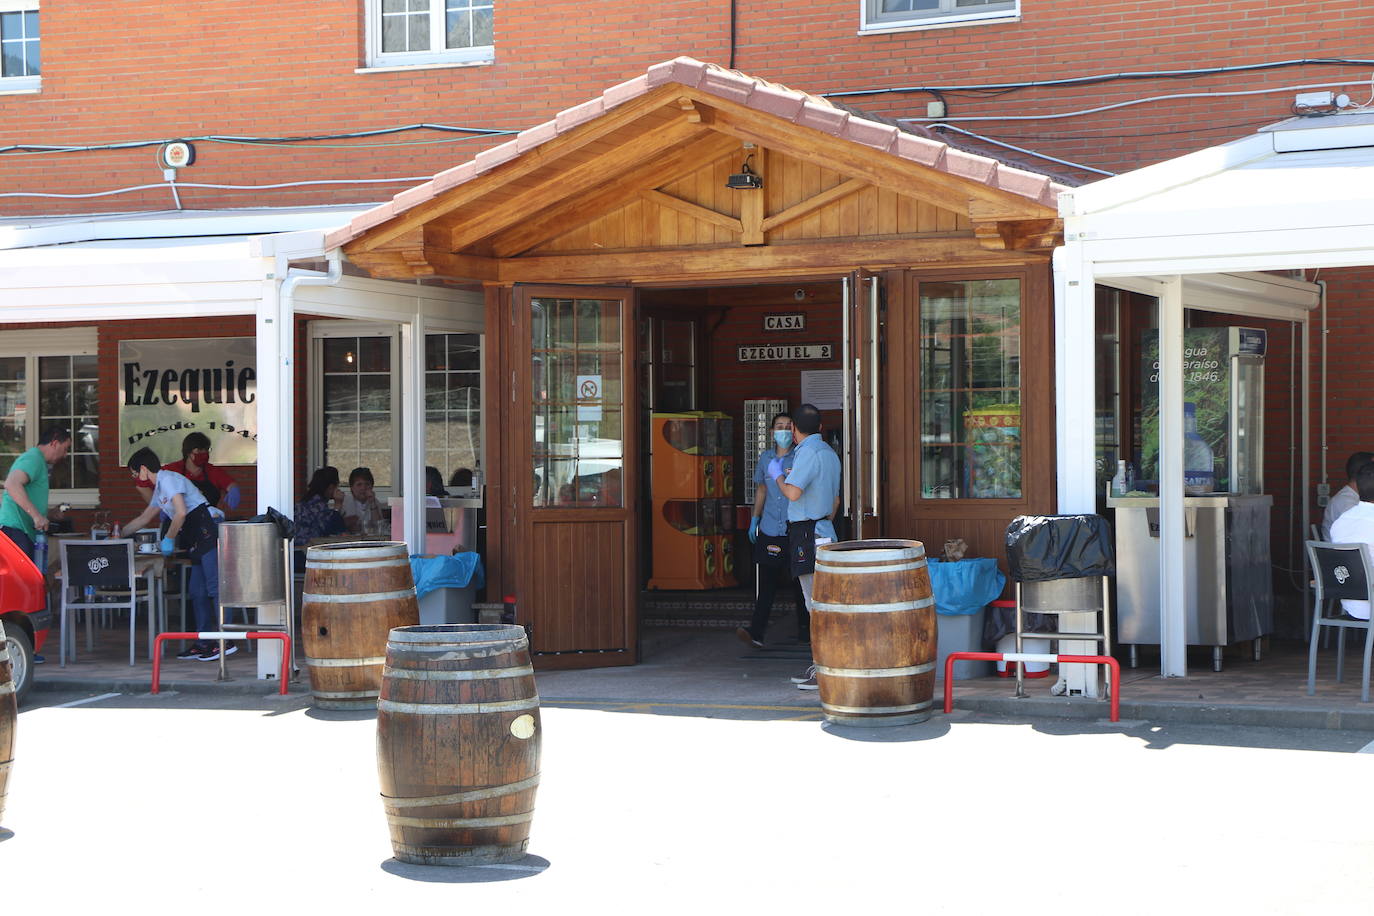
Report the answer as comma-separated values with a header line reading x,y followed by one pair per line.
x,y
965,586
458,571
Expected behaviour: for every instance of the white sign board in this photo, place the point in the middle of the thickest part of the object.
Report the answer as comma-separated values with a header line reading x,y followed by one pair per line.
x,y
588,398
791,322
170,388
785,352
823,388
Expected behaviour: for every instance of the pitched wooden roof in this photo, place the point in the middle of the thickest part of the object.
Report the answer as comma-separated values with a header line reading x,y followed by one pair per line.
x,y
678,110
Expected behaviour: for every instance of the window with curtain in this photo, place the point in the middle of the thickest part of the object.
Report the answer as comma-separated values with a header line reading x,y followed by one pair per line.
x,y
356,401
970,389
41,387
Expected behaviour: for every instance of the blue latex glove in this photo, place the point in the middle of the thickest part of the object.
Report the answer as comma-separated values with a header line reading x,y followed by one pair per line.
x,y
169,546
754,530
775,469
231,499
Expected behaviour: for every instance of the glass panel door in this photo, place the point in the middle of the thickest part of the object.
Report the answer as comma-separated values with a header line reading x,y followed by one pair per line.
x,y
578,402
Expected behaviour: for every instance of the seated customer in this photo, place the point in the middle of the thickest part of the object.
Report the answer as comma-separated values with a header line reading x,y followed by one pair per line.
x,y
192,530
316,516
1346,498
361,511
1356,526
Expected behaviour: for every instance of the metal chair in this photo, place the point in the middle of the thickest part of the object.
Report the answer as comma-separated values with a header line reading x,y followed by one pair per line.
x,y
1340,571
101,576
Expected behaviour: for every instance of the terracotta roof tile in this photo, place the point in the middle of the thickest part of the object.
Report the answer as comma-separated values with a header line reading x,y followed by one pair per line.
x,y
451,178
540,133
569,118
821,117
967,165
413,196
922,150
624,92
776,100
728,84
489,159
871,133
684,70
377,215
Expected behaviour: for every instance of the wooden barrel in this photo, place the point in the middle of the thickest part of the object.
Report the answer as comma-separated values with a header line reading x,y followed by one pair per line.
x,y
458,740
355,594
873,632
9,715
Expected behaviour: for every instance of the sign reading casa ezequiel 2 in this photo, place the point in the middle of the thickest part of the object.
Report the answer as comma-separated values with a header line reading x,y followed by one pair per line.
x,y
168,388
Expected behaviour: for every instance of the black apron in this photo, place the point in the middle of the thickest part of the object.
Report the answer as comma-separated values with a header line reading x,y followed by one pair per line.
x,y
771,552
199,533
801,547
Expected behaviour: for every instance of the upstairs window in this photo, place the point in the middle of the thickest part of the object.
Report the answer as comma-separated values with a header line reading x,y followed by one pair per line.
x,y
20,61
891,15
404,33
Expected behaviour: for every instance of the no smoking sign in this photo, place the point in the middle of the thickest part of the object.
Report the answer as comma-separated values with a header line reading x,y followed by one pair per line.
x,y
588,398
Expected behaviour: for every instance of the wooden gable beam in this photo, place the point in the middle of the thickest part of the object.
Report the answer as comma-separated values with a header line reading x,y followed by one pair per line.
x,y
537,157
885,170
607,168
825,198
695,211
578,210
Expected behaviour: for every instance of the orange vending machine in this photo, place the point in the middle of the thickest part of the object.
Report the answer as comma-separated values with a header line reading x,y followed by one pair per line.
x,y
691,550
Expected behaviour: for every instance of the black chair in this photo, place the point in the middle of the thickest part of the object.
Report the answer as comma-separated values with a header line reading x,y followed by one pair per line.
x,y
1340,571
100,576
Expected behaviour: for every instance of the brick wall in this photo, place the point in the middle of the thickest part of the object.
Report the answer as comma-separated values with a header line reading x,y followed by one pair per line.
x,y
130,71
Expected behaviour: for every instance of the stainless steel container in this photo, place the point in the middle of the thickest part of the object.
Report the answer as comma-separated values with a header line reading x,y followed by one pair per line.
x,y
1062,596
251,569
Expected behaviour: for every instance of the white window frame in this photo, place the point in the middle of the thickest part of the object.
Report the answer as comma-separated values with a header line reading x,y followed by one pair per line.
x,y
324,330
12,85
55,342
435,57
871,23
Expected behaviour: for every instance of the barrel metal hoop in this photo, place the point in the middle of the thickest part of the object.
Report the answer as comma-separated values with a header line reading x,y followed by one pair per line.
x,y
850,571
345,662
461,855
343,694
460,823
365,564
849,556
875,710
359,550
887,608
480,674
456,798
877,672
444,709
358,599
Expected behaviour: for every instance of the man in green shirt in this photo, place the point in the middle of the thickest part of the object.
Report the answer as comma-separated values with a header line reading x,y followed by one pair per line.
x,y
24,506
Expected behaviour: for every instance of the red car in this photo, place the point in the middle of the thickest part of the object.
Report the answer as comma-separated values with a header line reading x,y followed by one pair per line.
x,y
23,612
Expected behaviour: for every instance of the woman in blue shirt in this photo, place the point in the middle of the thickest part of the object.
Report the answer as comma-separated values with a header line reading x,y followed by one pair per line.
x,y
768,534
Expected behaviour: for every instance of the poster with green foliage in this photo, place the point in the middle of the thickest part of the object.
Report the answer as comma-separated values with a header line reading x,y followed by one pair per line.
x,y
1206,382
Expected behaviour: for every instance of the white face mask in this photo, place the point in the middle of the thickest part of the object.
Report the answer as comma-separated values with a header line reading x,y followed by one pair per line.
x,y
783,437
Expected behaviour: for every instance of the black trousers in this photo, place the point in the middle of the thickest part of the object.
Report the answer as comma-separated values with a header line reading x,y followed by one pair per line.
x,y
771,575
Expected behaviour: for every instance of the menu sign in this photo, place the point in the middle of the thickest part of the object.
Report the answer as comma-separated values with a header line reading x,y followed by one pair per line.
x,y
169,388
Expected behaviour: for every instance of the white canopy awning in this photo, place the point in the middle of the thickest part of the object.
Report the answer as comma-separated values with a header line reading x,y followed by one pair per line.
x,y
1298,194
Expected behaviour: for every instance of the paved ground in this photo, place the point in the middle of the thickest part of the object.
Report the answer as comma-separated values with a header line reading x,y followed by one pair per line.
x,y
725,807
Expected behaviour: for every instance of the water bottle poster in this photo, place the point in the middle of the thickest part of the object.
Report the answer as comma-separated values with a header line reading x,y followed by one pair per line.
x,y
170,388
1206,383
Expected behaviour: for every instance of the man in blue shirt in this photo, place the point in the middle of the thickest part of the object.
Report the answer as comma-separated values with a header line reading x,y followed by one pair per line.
x,y
813,490
768,534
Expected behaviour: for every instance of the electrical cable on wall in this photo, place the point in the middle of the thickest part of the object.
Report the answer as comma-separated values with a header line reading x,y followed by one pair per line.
x,y
474,132
222,187
1029,152
1111,77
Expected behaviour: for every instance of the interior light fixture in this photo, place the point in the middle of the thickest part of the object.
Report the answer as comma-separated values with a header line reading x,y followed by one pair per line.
x,y
348,357
746,179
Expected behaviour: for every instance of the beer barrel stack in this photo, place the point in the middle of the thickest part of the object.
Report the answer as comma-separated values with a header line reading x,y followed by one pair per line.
x,y
458,741
9,714
873,632
354,595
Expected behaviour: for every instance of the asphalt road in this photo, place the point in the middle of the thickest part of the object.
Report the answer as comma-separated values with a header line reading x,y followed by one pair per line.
x,y
242,804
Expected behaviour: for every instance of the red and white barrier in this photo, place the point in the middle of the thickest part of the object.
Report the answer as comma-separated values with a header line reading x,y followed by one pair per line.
x,y
1051,658
216,635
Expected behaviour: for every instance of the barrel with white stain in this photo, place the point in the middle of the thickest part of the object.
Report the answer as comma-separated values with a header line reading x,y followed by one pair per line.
x,y
354,595
9,715
873,632
458,738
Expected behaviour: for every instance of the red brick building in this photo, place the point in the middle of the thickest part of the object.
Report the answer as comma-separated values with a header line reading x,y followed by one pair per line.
x,y
339,105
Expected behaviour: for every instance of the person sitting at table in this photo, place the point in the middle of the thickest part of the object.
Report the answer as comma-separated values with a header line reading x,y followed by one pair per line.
x,y
1356,526
434,482
214,484
191,529
1348,496
361,511
316,515
461,479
